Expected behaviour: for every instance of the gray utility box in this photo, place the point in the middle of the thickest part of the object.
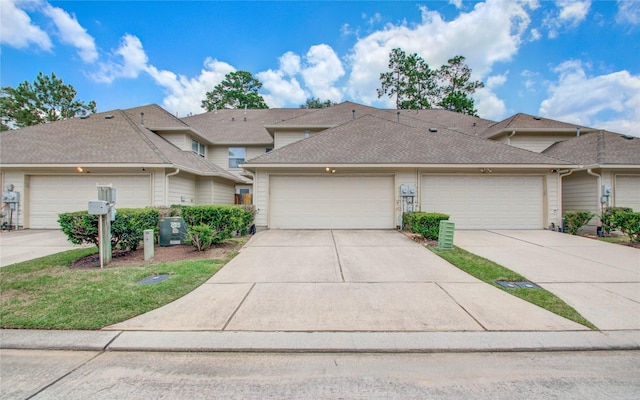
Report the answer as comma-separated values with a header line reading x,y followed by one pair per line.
x,y
173,231
98,207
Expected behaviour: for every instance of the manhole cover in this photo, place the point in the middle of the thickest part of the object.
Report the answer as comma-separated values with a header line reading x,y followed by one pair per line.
x,y
527,285
508,285
518,285
153,279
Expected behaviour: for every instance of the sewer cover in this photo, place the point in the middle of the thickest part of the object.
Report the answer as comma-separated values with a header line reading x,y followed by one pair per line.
x,y
527,285
508,285
153,279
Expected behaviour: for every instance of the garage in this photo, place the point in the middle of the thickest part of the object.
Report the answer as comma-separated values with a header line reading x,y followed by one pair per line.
x,y
53,194
627,191
331,202
486,202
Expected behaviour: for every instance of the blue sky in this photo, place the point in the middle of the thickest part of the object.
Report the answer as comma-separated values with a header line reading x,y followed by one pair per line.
x,y
575,61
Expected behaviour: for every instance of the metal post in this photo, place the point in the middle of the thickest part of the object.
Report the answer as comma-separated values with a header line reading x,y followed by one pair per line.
x,y
148,244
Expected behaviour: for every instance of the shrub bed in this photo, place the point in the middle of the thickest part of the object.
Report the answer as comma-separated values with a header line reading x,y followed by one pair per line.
x,y
425,224
208,225
127,230
574,220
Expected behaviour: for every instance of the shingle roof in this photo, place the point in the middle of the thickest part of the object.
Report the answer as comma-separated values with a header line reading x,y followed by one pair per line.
x,y
103,138
374,140
448,119
155,118
330,116
240,126
599,147
522,121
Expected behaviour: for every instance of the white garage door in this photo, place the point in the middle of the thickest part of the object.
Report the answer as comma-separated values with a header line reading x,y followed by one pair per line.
x,y
50,195
331,202
485,202
628,191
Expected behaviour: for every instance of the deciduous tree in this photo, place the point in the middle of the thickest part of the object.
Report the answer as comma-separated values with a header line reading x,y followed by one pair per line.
x,y
314,102
456,87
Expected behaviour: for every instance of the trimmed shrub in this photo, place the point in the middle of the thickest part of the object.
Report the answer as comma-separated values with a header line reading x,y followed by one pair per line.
x,y
574,220
629,223
611,218
425,224
224,221
127,230
200,236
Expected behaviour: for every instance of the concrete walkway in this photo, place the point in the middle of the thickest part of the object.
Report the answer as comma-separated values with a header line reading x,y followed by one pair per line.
x,y
347,281
24,245
600,280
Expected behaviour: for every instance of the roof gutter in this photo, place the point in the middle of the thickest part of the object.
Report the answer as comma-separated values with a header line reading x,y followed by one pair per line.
x,y
166,185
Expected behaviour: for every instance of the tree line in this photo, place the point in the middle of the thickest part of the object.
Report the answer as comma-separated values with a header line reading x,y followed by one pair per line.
x,y
409,79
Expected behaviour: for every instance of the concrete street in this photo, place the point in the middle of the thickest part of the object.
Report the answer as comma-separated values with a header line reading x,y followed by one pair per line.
x,y
71,375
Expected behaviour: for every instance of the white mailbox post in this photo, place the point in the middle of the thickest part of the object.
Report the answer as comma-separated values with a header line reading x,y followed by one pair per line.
x,y
106,211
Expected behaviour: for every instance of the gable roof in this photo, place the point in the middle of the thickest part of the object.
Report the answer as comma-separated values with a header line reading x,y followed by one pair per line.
x,y
102,138
601,148
530,123
155,118
451,120
238,126
373,140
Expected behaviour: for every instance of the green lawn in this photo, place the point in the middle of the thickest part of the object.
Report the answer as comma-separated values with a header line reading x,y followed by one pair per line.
x,y
489,272
47,294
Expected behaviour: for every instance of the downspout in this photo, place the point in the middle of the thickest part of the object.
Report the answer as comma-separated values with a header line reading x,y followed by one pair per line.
x,y
561,175
509,137
166,186
599,189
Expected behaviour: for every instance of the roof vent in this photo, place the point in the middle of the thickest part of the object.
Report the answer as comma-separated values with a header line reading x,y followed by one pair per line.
x,y
141,119
233,118
537,118
245,118
353,112
629,137
108,116
398,112
433,129
84,116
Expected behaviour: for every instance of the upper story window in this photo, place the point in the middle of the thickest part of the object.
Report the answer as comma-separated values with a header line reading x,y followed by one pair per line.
x,y
197,148
236,156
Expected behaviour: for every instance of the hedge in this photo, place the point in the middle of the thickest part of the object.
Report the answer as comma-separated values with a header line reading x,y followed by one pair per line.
x,y
624,219
213,224
127,229
574,220
425,224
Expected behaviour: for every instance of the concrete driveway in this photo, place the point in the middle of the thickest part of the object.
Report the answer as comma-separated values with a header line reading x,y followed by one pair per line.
x,y
23,245
344,281
600,280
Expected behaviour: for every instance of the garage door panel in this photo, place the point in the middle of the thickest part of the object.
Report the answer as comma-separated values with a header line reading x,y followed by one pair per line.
x,y
317,202
51,195
485,202
627,192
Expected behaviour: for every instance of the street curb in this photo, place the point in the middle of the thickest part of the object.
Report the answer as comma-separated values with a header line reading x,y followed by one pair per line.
x,y
321,342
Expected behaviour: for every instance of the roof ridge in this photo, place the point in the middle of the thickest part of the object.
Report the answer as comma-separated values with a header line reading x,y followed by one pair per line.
x,y
163,157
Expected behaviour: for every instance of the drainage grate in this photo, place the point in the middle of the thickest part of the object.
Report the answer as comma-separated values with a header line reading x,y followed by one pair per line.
x,y
518,285
153,279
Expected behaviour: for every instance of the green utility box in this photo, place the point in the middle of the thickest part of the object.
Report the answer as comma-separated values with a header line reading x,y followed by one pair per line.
x,y
445,236
173,230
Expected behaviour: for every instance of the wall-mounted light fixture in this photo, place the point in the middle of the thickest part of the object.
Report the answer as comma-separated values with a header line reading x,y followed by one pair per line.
x,y
79,169
486,170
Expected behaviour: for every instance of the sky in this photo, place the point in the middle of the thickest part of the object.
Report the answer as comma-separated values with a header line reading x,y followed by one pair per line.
x,y
574,61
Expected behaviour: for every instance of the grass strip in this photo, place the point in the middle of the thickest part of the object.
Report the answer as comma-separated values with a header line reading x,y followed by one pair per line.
x,y
46,294
489,272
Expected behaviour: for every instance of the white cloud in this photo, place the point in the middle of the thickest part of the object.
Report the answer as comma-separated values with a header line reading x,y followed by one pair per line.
x,y
609,101
490,33
628,12
17,29
290,63
282,92
321,70
71,32
569,15
488,104
184,95
130,60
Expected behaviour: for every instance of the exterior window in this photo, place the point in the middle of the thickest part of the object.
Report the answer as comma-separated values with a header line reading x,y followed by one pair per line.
x,y
236,157
268,149
197,148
